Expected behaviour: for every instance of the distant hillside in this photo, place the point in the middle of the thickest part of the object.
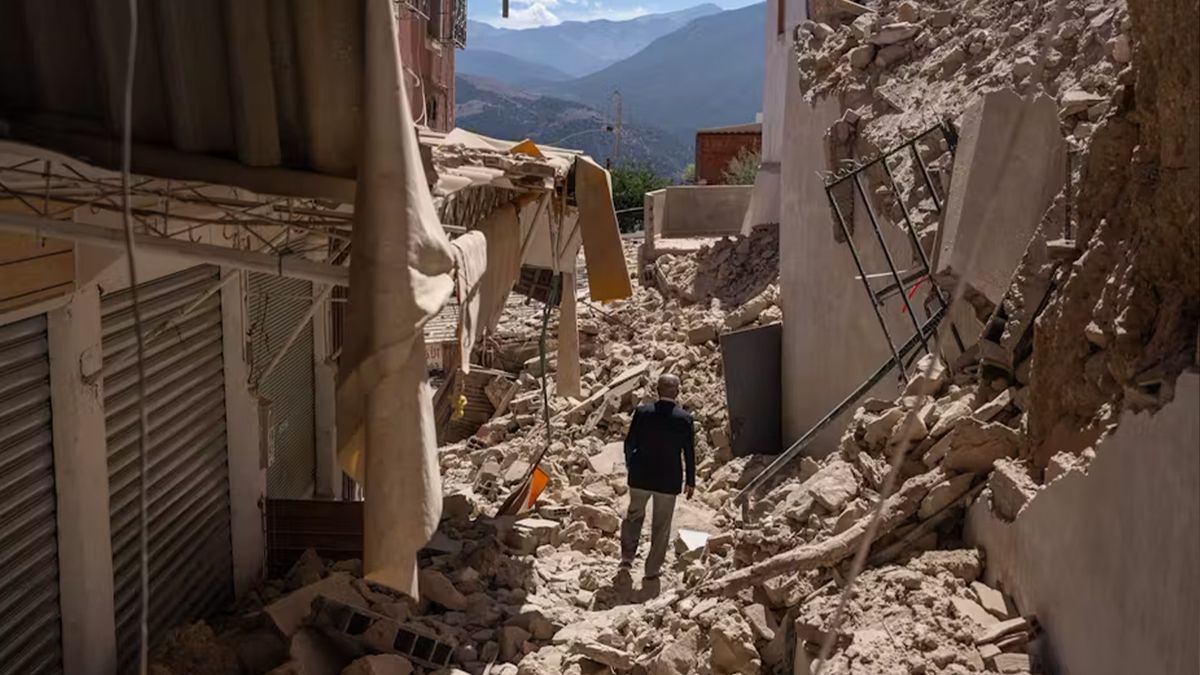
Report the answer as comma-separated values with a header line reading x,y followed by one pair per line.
x,y
578,47
504,68
707,73
503,111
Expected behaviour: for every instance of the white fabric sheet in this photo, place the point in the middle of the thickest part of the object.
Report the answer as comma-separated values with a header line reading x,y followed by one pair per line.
x,y
400,276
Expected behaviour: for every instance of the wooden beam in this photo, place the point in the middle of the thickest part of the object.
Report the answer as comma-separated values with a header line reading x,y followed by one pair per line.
x,y
568,340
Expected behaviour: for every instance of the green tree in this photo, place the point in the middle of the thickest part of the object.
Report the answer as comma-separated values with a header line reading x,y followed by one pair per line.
x,y
689,174
742,169
630,182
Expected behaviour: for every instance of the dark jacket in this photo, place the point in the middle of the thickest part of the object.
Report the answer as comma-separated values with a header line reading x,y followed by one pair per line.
x,y
658,435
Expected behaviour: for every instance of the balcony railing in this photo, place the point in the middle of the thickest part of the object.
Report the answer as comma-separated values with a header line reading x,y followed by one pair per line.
x,y
459,35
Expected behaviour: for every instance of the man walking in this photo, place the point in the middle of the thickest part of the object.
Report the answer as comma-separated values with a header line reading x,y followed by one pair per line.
x,y
659,435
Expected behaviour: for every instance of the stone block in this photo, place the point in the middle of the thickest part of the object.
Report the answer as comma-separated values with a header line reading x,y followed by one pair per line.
x,y
945,493
1012,488
974,446
833,486
761,621
973,611
895,32
437,588
997,630
990,599
602,518
701,334
1009,165
1011,663
289,612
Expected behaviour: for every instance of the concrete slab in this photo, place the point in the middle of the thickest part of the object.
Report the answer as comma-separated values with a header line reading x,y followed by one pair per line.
x,y
1010,163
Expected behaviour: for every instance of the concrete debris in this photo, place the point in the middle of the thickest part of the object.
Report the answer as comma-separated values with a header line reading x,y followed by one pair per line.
x,y
1012,487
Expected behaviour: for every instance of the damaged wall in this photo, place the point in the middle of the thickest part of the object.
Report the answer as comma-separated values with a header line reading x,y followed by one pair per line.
x,y
1107,560
1125,321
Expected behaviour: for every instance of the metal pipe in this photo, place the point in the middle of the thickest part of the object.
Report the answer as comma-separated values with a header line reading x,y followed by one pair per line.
x,y
916,244
293,268
795,448
937,203
887,255
837,211
294,335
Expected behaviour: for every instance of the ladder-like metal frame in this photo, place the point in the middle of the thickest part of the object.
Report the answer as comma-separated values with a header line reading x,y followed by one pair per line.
x,y
901,283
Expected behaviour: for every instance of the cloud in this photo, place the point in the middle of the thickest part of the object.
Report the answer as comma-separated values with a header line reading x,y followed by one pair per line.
x,y
599,11
536,13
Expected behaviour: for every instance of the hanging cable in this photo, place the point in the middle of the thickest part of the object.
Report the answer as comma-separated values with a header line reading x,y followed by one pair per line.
x,y
131,259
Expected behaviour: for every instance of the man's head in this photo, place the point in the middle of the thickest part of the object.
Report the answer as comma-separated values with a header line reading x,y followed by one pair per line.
x,y
668,386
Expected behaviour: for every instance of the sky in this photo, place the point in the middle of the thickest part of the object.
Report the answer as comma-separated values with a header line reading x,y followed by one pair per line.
x,y
531,13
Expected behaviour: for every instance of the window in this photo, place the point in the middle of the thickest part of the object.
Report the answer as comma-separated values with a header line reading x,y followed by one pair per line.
x,y
780,16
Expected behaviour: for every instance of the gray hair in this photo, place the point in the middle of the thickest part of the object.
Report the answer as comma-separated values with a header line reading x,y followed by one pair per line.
x,y
668,385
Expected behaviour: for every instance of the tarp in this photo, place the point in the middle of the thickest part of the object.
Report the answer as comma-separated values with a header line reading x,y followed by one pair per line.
x,y
401,275
503,232
470,264
608,278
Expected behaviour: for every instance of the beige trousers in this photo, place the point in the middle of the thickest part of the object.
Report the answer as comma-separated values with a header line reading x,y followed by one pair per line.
x,y
660,528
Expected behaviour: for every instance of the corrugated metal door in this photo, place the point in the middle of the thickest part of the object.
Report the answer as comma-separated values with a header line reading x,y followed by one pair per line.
x,y
275,306
191,559
30,628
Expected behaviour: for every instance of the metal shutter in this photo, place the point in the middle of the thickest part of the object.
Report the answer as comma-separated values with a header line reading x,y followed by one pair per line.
x,y
30,628
275,306
190,550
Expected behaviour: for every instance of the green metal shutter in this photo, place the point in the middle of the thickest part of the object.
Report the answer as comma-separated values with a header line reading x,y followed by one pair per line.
x,y
30,624
190,550
274,308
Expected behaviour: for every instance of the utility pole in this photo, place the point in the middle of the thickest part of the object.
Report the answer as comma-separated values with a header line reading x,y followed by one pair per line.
x,y
616,152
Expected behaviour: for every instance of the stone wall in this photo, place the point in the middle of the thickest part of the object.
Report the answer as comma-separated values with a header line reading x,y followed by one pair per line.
x,y
703,210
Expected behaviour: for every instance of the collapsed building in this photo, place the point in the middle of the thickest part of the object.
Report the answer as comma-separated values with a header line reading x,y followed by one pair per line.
x,y
964,313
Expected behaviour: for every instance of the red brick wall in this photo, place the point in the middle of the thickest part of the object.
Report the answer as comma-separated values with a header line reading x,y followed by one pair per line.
x,y
434,64
713,152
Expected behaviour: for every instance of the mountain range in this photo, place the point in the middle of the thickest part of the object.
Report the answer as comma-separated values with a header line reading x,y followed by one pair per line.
x,y
676,73
500,110
577,48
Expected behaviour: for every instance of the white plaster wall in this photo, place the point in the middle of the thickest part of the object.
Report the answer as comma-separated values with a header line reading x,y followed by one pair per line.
x,y
81,482
832,340
1109,562
703,210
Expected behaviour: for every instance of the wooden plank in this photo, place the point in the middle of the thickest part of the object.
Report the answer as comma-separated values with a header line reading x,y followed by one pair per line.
x,y
17,247
39,296
35,275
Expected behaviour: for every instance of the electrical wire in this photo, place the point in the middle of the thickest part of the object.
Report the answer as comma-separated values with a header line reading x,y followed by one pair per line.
x,y
131,260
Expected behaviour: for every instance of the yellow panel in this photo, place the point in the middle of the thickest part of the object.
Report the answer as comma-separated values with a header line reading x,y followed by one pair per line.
x,y
608,278
526,147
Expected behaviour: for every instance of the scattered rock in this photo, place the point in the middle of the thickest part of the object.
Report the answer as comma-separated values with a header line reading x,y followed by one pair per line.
x,y
1012,488
895,32
437,588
